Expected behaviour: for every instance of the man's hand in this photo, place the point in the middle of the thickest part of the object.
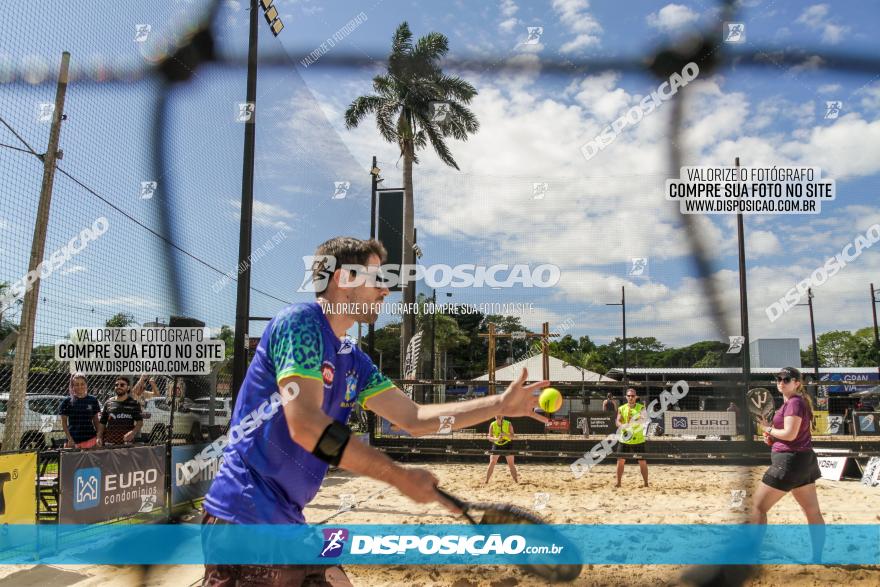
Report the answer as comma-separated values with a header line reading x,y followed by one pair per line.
x,y
129,436
70,443
98,442
420,486
520,399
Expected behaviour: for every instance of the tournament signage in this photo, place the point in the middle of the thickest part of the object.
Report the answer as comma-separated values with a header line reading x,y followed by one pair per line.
x,y
847,380
192,477
18,476
601,422
831,467
100,485
699,423
866,423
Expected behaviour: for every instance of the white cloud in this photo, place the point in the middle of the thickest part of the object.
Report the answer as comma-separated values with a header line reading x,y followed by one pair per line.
x,y
816,18
829,88
762,243
574,15
73,269
508,9
672,17
507,25
124,302
870,97
265,214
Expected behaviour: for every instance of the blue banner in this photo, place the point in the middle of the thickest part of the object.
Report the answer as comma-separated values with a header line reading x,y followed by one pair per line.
x,y
850,378
439,544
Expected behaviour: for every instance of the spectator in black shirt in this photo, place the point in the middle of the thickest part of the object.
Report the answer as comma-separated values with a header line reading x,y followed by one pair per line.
x,y
79,414
121,419
610,404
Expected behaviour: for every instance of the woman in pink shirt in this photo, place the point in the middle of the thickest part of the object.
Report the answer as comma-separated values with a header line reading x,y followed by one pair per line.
x,y
793,464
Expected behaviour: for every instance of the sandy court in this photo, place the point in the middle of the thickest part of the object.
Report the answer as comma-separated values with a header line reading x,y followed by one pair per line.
x,y
678,494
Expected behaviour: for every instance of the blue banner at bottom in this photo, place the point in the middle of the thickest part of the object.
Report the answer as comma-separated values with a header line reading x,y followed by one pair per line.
x,y
441,544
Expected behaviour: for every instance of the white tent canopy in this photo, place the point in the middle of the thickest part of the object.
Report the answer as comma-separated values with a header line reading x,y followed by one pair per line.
x,y
560,371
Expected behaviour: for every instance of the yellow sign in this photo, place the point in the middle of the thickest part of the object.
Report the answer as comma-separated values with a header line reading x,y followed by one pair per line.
x,y
819,426
18,477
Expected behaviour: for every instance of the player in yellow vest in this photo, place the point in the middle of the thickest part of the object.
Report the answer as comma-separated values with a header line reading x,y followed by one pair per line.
x,y
500,433
631,417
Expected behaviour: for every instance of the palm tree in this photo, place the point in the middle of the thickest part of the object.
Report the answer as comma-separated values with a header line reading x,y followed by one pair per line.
x,y
405,104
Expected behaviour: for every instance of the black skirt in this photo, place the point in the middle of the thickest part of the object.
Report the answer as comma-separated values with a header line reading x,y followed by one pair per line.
x,y
790,470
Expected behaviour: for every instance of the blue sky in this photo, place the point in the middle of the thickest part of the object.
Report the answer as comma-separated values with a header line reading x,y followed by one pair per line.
x,y
596,216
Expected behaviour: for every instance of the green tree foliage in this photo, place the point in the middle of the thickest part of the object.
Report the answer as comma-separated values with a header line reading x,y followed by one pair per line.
x,y
120,320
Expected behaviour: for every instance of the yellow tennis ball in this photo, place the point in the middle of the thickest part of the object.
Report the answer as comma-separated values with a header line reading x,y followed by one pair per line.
x,y
550,400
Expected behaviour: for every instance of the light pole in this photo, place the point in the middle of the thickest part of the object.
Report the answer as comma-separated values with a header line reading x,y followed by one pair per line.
x,y
622,304
243,286
374,184
743,310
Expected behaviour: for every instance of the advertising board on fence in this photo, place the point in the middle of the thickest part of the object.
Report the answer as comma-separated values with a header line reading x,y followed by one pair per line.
x,y
557,425
99,485
699,423
189,487
18,477
866,423
598,422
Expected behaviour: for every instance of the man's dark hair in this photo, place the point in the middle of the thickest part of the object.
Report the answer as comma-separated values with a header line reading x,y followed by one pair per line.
x,y
122,378
347,250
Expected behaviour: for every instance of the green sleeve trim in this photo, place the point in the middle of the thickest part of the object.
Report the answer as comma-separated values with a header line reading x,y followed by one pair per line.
x,y
299,372
374,391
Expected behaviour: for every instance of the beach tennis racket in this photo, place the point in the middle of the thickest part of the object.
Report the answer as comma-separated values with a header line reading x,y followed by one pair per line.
x,y
760,403
503,513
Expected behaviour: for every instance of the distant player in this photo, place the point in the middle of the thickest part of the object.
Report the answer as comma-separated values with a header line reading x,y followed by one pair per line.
x,y
630,417
500,433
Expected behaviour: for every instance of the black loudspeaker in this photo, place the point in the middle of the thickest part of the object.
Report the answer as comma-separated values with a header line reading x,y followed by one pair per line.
x,y
195,385
390,227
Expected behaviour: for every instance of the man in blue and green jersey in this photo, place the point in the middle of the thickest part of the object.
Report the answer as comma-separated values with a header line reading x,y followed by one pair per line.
x,y
270,473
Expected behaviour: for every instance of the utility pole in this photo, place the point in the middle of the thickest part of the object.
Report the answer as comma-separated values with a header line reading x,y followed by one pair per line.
x,y
813,334
21,364
622,304
374,176
243,293
744,314
874,301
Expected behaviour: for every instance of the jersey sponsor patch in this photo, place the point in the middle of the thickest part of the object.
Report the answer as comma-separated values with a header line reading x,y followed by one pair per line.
x,y
327,372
